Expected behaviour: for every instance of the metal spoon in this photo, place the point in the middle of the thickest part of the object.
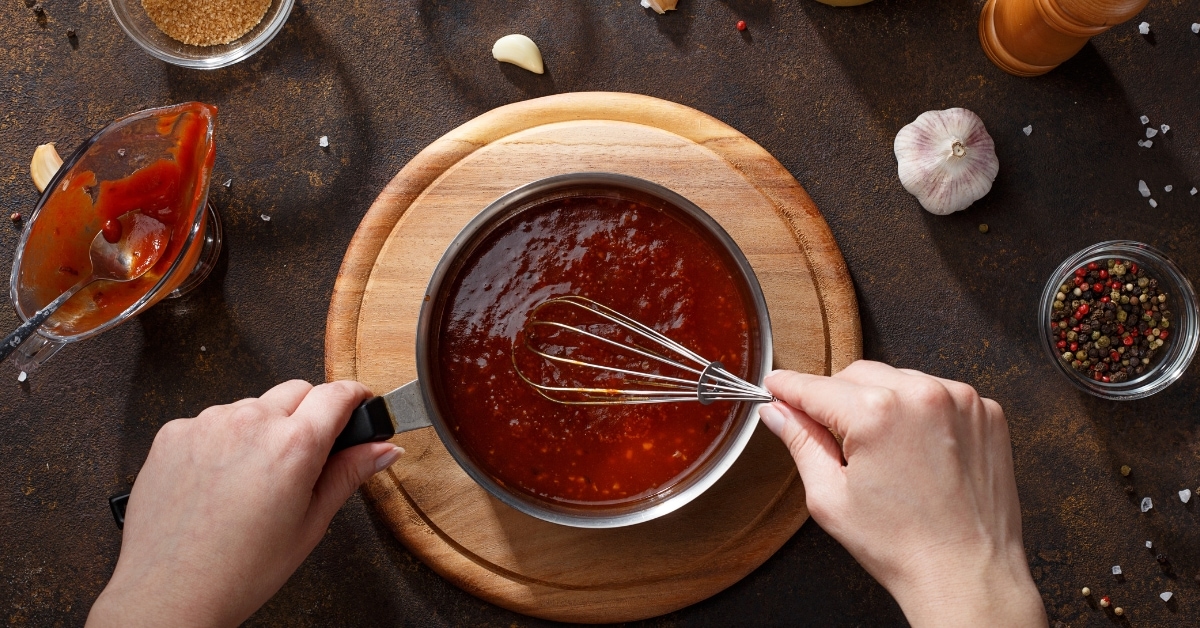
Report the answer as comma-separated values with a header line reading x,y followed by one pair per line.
x,y
143,241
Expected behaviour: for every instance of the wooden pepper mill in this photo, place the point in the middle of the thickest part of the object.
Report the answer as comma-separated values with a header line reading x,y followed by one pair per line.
x,y
1031,37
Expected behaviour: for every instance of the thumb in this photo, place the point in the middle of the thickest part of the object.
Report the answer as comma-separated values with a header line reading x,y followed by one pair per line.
x,y
345,472
817,454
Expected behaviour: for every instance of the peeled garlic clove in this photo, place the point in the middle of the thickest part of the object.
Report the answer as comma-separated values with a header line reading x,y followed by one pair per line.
x,y
946,159
660,6
44,165
520,51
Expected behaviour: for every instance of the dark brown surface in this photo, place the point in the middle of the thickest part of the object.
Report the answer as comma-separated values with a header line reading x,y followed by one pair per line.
x,y
823,89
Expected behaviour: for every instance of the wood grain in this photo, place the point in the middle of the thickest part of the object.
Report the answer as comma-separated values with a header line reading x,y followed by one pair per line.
x,y
431,505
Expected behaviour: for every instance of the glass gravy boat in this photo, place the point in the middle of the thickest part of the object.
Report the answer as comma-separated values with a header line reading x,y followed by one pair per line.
x,y
158,161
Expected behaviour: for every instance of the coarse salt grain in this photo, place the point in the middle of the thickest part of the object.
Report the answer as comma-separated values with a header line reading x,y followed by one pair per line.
x,y
1193,192
1166,596
1196,27
228,182
1143,188
1142,143
1148,143
1185,495
1168,188
1145,120
1144,28
1028,130
265,217
324,142
1153,203
1151,132
22,377
1116,570
1149,544
1165,127
202,348
1147,504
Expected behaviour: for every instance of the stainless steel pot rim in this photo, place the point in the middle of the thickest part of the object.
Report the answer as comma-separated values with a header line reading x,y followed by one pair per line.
x,y
698,480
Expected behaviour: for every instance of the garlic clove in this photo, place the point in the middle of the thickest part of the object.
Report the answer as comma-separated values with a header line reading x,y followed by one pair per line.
x,y
946,159
44,165
520,51
660,6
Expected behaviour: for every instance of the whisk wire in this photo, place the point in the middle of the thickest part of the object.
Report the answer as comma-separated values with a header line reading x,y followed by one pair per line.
x,y
712,382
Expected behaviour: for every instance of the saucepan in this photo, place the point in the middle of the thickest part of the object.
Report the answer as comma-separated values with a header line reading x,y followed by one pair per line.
x,y
420,403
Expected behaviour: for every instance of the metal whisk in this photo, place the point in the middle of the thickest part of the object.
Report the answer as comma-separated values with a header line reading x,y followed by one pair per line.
x,y
699,379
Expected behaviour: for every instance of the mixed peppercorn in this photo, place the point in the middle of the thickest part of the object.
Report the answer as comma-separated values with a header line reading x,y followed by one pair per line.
x,y
1109,320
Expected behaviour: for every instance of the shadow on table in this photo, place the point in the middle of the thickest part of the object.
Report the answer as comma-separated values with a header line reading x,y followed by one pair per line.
x,y
459,36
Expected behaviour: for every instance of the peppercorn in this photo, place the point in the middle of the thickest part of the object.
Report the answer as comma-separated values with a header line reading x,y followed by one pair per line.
x,y
983,228
1105,601
1162,559
1086,591
741,26
1125,470
1118,611
70,33
15,217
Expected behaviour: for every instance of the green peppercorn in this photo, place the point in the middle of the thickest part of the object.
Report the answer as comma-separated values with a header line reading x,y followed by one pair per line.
x,y
1103,342
1058,305
1068,355
1143,282
983,228
1081,355
1071,336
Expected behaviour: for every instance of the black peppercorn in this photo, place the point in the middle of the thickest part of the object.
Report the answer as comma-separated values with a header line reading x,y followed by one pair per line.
x,y
1161,558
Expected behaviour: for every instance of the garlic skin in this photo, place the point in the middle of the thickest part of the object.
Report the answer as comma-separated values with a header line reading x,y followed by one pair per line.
x,y
946,159
44,165
520,51
662,6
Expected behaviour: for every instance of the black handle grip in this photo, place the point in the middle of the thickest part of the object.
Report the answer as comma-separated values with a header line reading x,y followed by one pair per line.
x,y
118,503
369,423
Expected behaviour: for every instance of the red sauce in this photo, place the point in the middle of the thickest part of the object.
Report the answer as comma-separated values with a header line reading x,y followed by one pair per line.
x,y
636,259
167,189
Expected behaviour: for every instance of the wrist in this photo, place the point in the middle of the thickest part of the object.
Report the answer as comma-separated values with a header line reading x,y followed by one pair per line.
x,y
991,593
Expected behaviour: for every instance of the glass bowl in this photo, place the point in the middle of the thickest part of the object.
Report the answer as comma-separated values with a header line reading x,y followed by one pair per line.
x,y
141,29
1171,362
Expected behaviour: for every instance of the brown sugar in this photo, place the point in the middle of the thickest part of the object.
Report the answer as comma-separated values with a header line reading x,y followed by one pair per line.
x,y
206,22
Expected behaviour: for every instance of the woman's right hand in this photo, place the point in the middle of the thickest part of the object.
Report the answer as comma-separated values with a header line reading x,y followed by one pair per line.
x,y
921,491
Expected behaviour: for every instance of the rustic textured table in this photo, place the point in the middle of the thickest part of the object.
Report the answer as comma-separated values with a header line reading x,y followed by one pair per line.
x,y
823,89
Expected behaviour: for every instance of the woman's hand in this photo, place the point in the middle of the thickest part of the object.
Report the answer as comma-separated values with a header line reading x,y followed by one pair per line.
x,y
230,503
921,492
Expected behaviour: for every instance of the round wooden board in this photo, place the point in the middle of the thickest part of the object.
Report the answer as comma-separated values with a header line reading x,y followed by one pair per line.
x,y
433,507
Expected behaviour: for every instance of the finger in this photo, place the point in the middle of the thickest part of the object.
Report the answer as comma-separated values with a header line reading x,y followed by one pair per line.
x,y
343,474
966,398
811,444
286,397
870,373
830,401
328,406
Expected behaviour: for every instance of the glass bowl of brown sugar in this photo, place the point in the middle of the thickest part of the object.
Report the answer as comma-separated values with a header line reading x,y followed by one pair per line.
x,y
1119,320
185,32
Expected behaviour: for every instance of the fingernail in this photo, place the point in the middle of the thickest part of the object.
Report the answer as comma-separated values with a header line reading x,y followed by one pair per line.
x,y
771,418
772,373
388,458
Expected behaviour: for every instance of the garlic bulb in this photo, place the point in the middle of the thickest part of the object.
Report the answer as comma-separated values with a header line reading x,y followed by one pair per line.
x,y
946,159
660,6
44,165
520,51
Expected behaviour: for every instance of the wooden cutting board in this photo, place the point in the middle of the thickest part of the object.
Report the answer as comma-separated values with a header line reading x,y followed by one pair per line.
x,y
433,507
